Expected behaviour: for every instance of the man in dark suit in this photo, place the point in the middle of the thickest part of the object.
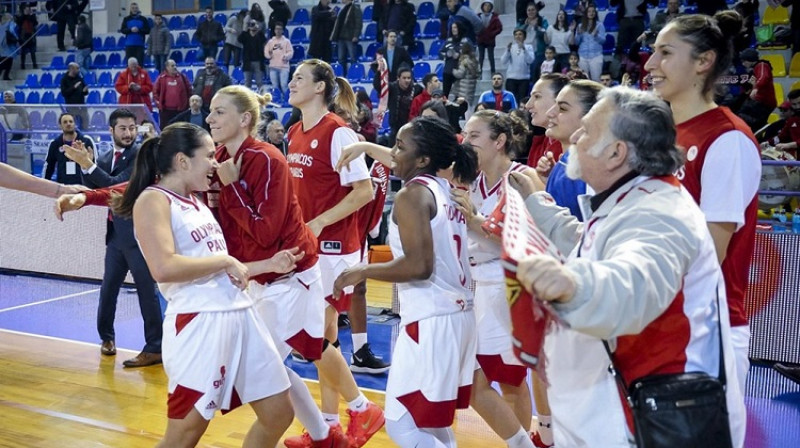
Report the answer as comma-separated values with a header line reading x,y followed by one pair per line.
x,y
122,252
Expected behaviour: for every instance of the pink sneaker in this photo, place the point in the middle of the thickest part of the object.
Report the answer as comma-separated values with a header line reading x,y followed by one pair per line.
x,y
336,439
363,425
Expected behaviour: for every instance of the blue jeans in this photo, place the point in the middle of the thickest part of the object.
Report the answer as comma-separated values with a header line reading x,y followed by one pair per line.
x,y
159,60
82,59
346,46
253,71
279,77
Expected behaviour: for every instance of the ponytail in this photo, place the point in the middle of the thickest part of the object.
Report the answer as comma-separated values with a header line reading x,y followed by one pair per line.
x,y
465,164
344,102
145,172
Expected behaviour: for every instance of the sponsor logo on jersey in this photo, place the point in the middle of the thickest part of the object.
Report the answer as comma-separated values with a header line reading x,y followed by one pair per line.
x,y
691,154
221,381
314,144
331,247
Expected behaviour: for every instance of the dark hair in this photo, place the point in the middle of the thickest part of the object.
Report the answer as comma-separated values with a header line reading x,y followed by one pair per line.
x,y
427,79
502,123
459,27
498,74
280,24
337,90
64,114
155,159
467,48
585,26
706,33
120,113
521,29
434,138
436,106
565,24
404,68
793,94
557,81
587,92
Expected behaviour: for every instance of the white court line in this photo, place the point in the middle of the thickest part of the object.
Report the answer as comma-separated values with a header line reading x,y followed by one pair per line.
x,y
49,300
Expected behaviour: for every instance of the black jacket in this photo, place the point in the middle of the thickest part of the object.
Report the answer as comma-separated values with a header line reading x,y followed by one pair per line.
x,y
399,58
642,8
280,13
210,32
72,89
186,116
57,162
252,48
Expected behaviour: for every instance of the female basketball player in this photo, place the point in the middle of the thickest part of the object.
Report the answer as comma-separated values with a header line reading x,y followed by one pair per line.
x,y
434,356
723,166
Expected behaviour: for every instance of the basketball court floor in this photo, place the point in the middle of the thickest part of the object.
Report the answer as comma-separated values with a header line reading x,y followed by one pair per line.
x,y
56,390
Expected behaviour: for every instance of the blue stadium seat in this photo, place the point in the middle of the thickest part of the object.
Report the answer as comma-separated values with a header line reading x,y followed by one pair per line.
x,y
177,56
420,69
153,75
371,32
19,97
602,5
32,81
610,22
109,44
418,50
191,58
299,53
355,73
237,75
110,97
570,5
60,98
426,11
609,45
301,17
337,69
183,40
367,16
115,61
286,117
435,47
46,80
174,23
57,80
70,59
43,30
417,31
373,96
299,35
221,18
33,98
190,22
57,63
90,79
48,98
369,55
97,43
105,79
53,29
385,129
93,97
189,74
121,43
98,121
440,70
35,119
99,61
432,29
50,119
369,76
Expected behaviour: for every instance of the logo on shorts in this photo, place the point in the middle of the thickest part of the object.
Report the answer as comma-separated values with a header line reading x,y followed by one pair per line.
x,y
211,405
331,247
221,381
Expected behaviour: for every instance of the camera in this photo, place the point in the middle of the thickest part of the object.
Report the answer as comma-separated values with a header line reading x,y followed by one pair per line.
x,y
143,129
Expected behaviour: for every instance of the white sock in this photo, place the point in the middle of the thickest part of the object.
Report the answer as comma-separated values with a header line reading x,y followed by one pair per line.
x,y
404,433
359,404
330,419
359,339
520,440
305,409
546,429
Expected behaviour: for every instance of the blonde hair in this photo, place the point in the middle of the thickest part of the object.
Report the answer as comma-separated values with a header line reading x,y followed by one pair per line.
x,y
247,101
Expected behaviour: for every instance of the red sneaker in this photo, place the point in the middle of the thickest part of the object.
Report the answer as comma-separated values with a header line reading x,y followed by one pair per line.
x,y
336,439
363,425
537,441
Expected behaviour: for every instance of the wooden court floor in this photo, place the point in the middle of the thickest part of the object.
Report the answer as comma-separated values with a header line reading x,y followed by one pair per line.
x,y
64,394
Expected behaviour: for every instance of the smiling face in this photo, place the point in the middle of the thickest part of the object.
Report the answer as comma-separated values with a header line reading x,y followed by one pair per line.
x,y
302,89
227,124
542,99
674,72
564,117
589,143
478,134
201,166
124,132
404,154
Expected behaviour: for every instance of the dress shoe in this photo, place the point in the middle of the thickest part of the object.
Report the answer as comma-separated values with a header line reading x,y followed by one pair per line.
x,y
143,359
108,348
789,371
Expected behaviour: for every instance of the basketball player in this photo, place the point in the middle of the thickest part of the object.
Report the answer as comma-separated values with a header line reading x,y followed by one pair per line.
x,y
15,179
434,356
329,201
723,165
213,340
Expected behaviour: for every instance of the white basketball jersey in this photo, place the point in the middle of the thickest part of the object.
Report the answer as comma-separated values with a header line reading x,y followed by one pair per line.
x,y
197,234
445,292
484,255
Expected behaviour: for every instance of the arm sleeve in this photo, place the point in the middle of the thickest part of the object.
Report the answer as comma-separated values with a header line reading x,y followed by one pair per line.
x,y
120,85
101,196
260,209
358,169
730,177
560,226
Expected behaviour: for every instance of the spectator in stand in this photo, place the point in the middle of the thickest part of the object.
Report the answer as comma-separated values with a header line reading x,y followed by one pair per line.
x,y
455,109
711,7
134,85
788,138
450,53
210,33
466,73
761,99
322,20
487,37
279,52
574,71
280,14
346,31
430,83
195,114
135,27
607,81
8,47
401,16
253,44
257,14
67,172
74,91
159,42
275,134
461,13
630,16
535,27
401,95
497,98
26,30
83,44
550,64
518,57
209,80
363,118
171,93
660,21
395,55
795,21
590,36
233,48
557,36
65,13
748,9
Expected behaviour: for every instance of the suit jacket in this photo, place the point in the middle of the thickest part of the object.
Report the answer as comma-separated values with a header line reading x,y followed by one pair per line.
x,y
399,58
119,230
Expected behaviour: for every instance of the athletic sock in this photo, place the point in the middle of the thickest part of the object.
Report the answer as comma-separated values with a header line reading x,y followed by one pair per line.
x,y
546,429
305,409
359,339
520,440
330,419
359,404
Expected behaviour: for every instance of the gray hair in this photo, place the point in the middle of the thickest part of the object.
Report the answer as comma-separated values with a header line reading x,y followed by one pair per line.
x,y
645,123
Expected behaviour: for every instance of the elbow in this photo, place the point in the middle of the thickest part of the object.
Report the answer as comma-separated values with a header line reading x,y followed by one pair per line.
x,y
423,270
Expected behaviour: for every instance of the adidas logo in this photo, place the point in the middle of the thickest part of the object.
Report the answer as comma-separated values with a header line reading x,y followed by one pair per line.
x,y
211,405
331,246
